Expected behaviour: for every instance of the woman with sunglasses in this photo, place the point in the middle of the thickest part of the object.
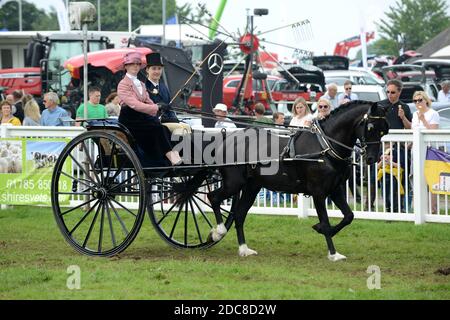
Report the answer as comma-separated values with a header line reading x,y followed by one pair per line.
x,y
425,117
323,108
302,116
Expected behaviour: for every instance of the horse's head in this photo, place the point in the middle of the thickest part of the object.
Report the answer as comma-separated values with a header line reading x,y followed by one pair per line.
x,y
372,127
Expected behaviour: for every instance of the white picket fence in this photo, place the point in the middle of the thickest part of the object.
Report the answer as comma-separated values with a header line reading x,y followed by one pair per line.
x,y
419,205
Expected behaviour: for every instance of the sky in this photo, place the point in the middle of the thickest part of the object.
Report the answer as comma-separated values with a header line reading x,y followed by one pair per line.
x,y
331,20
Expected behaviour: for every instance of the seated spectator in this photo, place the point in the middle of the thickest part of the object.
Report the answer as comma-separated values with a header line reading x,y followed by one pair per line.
x,y
112,105
259,115
6,116
302,116
32,114
347,96
53,115
425,117
323,108
221,110
332,95
95,110
444,94
278,118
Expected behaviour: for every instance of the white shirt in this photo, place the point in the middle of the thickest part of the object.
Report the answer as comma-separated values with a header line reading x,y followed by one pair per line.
x,y
224,124
442,97
136,82
432,117
334,102
296,122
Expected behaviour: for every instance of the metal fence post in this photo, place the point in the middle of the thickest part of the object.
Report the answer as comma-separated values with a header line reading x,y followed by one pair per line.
x,y
420,185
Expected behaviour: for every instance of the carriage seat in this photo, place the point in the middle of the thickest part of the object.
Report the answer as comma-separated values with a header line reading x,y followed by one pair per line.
x,y
179,128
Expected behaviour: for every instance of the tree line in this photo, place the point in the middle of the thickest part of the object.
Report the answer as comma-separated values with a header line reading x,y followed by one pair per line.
x,y
113,15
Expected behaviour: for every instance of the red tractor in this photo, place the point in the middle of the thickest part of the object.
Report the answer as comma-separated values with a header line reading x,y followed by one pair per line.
x,y
44,60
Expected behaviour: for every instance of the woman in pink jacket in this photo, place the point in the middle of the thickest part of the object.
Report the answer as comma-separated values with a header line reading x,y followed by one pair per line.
x,y
139,114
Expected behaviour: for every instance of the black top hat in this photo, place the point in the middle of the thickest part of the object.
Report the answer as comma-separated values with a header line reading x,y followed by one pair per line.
x,y
154,59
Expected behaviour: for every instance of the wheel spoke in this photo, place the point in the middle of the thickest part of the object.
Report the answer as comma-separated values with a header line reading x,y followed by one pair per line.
x,y
166,214
108,213
90,161
203,213
176,221
124,194
82,169
124,228
195,221
82,181
113,151
91,227
77,207
100,158
74,193
100,237
123,207
185,223
126,185
82,219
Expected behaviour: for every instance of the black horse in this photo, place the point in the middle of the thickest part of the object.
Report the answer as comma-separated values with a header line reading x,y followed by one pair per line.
x,y
332,144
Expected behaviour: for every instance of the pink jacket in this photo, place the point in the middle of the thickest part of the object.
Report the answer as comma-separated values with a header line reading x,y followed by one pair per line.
x,y
129,95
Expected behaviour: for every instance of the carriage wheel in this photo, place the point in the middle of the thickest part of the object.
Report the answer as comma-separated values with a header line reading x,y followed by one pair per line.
x,y
100,177
180,211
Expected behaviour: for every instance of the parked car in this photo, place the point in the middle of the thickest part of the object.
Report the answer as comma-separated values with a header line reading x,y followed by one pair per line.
x,y
440,67
327,63
414,79
231,85
358,76
367,92
309,84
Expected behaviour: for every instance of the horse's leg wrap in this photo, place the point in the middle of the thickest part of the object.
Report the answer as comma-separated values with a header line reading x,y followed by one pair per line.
x,y
245,251
218,232
336,257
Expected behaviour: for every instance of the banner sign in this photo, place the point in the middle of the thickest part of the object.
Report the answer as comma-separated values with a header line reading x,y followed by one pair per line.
x,y
26,168
437,171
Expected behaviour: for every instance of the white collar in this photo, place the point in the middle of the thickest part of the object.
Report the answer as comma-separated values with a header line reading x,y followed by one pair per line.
x,y
132,77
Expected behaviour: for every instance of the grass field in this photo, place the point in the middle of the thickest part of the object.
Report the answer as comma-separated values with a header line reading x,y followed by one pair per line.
x,y
292,263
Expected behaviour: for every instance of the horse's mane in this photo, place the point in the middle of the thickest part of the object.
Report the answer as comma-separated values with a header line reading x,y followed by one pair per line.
x,y
343,108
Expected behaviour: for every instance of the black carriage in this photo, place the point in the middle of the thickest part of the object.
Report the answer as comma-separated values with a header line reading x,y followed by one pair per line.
x,y
102,187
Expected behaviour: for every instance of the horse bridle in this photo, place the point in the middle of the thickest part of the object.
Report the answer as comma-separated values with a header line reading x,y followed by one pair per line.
x,y
368,127
326,145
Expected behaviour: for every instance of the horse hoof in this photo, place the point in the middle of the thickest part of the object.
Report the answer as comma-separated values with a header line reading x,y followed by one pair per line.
x,y
245,251
336,257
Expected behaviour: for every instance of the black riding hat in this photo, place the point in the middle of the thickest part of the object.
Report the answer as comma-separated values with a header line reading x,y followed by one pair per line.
x,y
154,59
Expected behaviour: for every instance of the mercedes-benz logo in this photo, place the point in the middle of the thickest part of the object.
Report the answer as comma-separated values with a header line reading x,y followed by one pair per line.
x,y
215,64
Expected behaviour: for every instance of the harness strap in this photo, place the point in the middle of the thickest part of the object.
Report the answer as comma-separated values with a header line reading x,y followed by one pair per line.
x,y
325,144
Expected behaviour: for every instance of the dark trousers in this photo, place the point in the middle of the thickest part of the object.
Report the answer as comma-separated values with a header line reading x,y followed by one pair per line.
x,y
150,135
